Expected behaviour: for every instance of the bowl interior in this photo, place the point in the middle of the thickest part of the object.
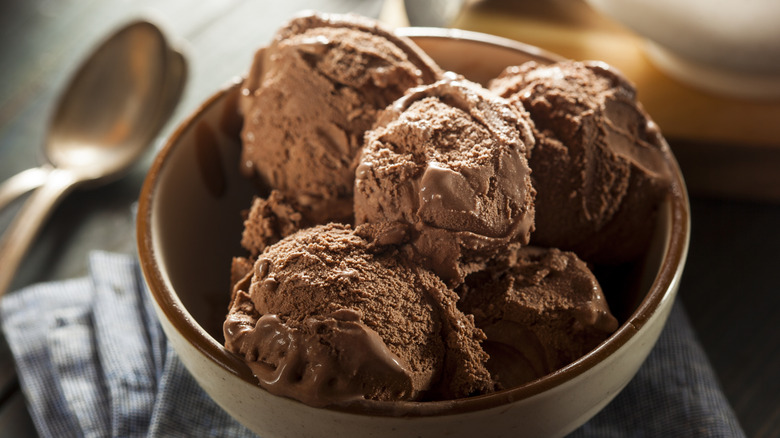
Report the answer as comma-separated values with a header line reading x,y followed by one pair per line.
x,y
190,219
196,212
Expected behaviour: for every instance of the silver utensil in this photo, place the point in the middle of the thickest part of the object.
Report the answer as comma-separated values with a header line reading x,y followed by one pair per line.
x,y
112,109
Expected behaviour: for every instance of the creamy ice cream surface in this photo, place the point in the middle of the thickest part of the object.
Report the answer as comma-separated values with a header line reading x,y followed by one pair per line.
x,y
328,316
448,160
541,309
311,95
599,166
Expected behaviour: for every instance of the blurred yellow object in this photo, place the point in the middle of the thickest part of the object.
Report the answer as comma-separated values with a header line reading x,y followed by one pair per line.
x,y
574,30
727,147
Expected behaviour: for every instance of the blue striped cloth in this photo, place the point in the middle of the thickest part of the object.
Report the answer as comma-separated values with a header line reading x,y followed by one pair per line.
x,y
93,361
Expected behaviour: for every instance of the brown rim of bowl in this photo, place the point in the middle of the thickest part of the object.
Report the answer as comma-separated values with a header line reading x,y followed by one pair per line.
x,y
665,281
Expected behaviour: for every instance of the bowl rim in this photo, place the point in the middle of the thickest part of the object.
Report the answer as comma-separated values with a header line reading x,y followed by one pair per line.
x,y
661,290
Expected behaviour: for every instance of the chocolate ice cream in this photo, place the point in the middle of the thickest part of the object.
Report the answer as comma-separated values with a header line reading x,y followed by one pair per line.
x,y
269,220
448,160
434,293
540,308
328,316
599,166
310,96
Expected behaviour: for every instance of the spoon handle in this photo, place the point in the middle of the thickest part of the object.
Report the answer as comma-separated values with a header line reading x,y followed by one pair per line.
x,y
23,229
22,183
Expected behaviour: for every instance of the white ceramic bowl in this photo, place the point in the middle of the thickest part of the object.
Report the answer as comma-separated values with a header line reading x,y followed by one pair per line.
x,y
730,47
189,227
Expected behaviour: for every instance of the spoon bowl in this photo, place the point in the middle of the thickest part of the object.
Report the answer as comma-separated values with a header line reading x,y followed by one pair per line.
x,y
112,109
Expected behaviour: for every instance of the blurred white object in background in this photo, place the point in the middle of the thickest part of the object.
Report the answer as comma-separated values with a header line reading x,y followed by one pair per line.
x,y
432,13
726,46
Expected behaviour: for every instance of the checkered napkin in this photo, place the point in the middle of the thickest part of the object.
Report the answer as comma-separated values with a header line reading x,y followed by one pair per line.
x,y
93,361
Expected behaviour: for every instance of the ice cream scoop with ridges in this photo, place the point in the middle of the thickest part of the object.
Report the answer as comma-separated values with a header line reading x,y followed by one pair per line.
x,y
448,160
330,317
311,95
540,308
599,166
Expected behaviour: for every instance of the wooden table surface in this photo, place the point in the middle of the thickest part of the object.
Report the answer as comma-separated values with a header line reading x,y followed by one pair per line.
x,y
731,286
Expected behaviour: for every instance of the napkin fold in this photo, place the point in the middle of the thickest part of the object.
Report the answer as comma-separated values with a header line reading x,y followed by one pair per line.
x,y
93,361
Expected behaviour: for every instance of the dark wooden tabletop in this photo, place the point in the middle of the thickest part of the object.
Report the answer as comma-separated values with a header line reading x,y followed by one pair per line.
x,y
730,288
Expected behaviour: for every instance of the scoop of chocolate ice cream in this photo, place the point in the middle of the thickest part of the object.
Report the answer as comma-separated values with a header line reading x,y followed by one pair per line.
x,y
330,317
310,96
599,165
448,160
540,308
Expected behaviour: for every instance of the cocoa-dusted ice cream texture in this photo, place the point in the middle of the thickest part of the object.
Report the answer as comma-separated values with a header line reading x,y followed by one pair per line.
x,y
269,220
310,96
390,259
448,160
329,316
599,166
541,309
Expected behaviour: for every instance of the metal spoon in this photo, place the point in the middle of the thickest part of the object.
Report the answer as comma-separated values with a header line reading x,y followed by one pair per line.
x,y
111,111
